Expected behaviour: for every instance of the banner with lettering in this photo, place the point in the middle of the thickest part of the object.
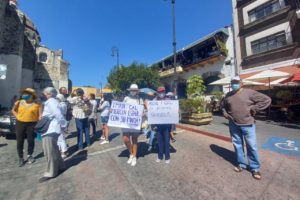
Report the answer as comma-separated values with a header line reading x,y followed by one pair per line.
x,y
125,115
163,112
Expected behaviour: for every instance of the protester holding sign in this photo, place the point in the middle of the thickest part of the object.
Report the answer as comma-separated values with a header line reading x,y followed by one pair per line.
x,y
163,132
130,136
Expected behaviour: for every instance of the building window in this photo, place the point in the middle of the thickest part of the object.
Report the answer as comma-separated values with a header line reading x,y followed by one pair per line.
x,y
268,43
43,57
264,10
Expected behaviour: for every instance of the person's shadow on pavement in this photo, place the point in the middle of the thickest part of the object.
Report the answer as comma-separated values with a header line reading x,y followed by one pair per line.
x,y
75,159
224,153
3,145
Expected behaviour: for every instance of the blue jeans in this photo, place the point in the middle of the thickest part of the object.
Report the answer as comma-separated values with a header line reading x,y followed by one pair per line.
x,y
149,134
82,126
238,135
163,139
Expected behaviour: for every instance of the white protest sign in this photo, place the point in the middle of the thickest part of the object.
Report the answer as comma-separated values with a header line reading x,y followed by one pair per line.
x,y
163,112
125,115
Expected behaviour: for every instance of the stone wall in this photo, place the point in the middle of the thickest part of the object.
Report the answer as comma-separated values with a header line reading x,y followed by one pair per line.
x,y
12,32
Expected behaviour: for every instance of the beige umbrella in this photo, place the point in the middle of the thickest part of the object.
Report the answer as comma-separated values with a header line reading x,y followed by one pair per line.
x,y
227,80
268,74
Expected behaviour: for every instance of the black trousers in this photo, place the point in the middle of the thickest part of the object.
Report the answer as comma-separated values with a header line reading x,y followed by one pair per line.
x,y
25,129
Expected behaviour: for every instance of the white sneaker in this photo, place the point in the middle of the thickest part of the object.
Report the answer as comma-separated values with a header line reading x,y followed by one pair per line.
x,y
130,159
102,138
133,162
104,142
168,161
158,160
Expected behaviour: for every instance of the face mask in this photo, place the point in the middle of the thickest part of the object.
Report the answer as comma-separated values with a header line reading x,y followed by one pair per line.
x,y
66,95
26,96
133,93
161,95
235,86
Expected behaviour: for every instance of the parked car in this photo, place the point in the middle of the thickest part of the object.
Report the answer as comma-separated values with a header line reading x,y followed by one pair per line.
x,y
7,124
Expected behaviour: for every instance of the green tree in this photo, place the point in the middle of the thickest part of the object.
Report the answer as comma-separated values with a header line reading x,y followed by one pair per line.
x,y
120,78
195,87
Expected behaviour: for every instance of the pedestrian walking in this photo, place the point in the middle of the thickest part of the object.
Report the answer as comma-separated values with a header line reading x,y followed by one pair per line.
x,y
69,115
239,106
104,116
52,111
93,115
130,136
163,132
27,111
82,109
62,143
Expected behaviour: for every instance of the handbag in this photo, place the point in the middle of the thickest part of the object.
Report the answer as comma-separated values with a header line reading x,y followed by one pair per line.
x,y
43,125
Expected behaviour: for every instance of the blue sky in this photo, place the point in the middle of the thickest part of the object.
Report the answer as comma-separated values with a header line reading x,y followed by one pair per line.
x,y
142,30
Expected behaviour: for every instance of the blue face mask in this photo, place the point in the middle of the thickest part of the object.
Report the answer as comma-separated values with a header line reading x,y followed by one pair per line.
x,y
26,96
235,86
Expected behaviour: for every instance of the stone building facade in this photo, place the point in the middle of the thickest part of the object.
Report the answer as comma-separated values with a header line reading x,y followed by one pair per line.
x,y
19,52
51,70
18,42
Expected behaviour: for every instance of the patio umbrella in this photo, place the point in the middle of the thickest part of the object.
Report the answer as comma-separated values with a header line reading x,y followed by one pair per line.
x,y
147,90
227,80
268,74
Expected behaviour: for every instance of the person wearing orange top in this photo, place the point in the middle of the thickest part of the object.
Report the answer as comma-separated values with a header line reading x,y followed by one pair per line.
x,y
27,111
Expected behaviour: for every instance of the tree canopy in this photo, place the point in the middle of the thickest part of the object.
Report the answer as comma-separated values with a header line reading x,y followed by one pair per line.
x,y
120,78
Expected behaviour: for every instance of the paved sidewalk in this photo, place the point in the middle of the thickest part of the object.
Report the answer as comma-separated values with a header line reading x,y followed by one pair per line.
x,y
201,168
265,129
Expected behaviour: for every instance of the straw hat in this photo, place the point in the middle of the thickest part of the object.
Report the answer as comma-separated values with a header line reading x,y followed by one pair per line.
x,y
133,87
29,91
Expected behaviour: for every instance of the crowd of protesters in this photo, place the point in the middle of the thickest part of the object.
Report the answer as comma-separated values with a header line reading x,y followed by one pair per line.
x,y
50,116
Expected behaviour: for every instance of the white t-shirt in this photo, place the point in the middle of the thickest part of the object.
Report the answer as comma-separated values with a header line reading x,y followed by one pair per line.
x,y
105,107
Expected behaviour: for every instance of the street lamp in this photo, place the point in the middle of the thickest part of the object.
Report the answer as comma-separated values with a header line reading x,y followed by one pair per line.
x,y
174,45
115,52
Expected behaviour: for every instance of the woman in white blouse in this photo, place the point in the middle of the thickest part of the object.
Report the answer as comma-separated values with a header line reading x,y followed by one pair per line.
x,y
54,161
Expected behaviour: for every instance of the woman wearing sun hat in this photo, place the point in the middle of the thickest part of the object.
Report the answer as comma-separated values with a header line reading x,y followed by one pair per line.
x,y
27,111
130,136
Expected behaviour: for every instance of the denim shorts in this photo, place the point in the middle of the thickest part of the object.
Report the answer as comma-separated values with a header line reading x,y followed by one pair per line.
x,y
104,120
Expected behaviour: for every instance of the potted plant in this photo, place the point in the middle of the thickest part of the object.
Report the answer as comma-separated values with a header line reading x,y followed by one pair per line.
x,y
193,108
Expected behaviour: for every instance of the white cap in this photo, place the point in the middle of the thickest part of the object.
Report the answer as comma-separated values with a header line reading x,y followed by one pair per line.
x,y
60,97
133,87
169,94
236,78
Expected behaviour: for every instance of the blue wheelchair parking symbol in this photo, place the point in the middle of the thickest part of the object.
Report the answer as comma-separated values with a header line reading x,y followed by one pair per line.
x,y
285,146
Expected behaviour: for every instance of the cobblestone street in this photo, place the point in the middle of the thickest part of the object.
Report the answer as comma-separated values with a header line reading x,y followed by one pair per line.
x,y
201,168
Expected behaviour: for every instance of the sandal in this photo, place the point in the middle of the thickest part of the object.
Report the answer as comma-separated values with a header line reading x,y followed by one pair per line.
x,y
238,169
256,175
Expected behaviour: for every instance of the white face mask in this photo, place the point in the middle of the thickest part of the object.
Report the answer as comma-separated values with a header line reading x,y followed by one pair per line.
x,y
161,95
133,93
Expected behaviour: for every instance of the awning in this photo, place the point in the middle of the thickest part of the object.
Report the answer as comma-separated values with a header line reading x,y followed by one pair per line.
x,y
296,77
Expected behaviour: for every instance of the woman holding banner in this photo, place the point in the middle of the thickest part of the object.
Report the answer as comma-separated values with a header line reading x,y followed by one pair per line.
x,y
130,136
163,131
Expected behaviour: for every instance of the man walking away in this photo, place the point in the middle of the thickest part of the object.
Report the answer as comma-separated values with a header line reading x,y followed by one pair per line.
x,y
239,106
